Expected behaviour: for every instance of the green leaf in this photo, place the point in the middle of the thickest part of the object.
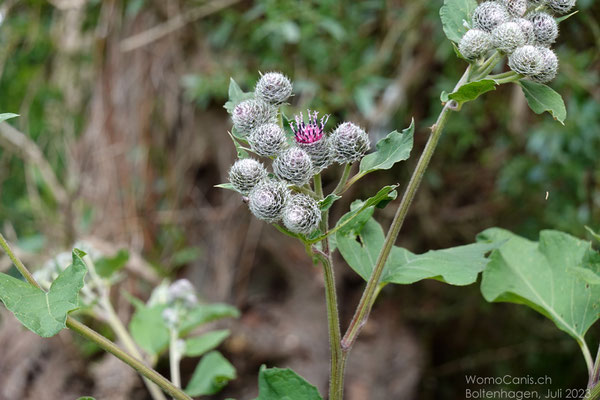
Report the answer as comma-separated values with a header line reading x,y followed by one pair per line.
x,y
204,313
239,148
328,201
86,398
395,147
236,96
284,384
199,345
456,266
41,312
149,329
454,14
542,98
537,274
364,208
107,266
6,116
565,17
227,186
472,90
212,374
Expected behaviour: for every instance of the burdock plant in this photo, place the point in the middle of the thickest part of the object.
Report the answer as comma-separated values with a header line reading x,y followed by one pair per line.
x,y
557,276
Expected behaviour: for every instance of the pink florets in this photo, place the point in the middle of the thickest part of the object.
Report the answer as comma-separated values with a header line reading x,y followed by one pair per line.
x,y
310,132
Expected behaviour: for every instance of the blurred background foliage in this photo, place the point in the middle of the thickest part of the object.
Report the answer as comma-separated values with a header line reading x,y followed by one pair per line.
x,y
125,136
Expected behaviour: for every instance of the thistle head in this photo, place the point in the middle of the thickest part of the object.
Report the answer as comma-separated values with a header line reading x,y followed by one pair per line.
x,y
182,291
273,88
250,114
267,199
549,66
527,29
267,140
474,44
245,174
526,60
488,15
507,37
301,214
516,8
310,131
545,28
561,6
310,137
294,165
349,143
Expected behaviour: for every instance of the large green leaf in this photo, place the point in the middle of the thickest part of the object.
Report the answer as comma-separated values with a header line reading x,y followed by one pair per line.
x,y
149,329
212,374
542,98
198,345
41,312
393,148
456,266
5,116
538,274
454,14
284,384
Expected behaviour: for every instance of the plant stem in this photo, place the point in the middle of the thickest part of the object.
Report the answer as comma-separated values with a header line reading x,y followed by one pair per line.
x,y
133,362
337,363
22,269
595,376
341,185
100,340
593,394
368,298
488,65
123,335
174,357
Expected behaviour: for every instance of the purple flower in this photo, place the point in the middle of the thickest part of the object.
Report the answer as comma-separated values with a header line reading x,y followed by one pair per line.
x,y
311,132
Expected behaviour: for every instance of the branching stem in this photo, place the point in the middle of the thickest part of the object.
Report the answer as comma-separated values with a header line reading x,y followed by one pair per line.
x,y
100,340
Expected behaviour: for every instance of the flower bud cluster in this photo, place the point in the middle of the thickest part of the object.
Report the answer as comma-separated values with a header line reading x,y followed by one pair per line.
x,y
295,157
179,298
522,29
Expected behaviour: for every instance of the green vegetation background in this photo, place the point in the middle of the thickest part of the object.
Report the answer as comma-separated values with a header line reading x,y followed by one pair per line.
x,y
376,62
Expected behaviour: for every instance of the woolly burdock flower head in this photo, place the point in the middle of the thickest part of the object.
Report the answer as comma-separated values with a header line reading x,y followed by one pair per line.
x,y
561,6
526,60
507,37
349,143
294,165
267,199
545,28
549,66
516,8
245,174
310,137
474,44
250,114
182,291
489,15
301,214
527,29
273,88
267,140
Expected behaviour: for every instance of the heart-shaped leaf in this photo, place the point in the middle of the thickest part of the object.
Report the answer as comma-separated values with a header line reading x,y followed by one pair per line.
x,y
280,384
45,313
539,275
